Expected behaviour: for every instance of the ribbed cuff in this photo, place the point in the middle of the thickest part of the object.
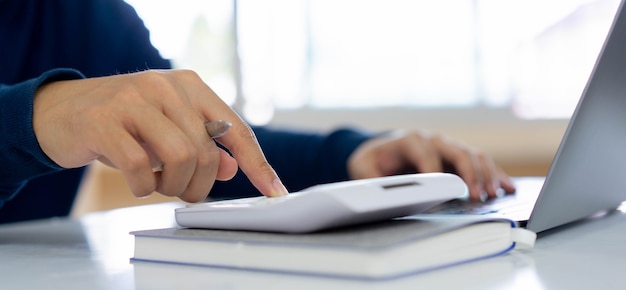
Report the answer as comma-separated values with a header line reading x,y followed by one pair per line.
x,y
21,157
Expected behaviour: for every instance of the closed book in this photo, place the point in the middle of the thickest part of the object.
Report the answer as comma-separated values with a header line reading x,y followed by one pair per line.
x,y
380,250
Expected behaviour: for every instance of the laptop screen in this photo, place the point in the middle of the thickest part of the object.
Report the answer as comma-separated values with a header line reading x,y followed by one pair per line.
x,y
588,174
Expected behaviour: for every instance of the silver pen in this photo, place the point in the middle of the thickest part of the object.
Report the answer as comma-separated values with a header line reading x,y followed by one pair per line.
x,y
218,128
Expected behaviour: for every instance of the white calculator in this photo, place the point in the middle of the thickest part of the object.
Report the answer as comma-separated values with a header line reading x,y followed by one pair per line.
x,y
327,205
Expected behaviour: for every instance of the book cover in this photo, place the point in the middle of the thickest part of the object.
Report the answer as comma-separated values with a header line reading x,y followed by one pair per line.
x,y
380,250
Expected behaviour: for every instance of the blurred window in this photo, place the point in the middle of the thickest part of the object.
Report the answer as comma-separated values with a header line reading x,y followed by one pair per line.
x,y
532,56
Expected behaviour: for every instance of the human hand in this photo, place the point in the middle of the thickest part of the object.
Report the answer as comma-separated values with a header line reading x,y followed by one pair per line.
x,y
136,121
409,152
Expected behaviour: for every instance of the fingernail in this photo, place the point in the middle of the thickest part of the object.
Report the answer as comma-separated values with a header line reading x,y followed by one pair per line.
x,y
495,186
279,188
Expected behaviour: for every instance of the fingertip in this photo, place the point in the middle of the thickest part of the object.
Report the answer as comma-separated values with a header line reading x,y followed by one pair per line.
x,y
142,185
142,195
245,150
277,189
475,192
492,189
507,184
193,197
509,188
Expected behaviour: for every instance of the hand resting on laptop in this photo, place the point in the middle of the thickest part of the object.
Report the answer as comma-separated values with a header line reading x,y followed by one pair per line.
x,y
402,152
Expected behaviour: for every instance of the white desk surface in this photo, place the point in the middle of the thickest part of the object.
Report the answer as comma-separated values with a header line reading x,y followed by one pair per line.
x,y
94,252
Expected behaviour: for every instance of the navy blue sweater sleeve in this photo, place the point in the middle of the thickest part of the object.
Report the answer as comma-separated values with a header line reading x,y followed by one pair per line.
x,y
95,37
301,159
20,154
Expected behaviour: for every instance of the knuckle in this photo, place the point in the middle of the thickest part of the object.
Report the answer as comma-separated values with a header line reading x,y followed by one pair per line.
x,y
265,167
143,190
190,74
245,131
245,134
159,81
207,158
415,137
183,75
180,157
135,162
183,155
480,155
436,139
153,77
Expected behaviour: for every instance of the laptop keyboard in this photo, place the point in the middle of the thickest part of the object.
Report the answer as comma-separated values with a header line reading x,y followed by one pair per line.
x,y
508,205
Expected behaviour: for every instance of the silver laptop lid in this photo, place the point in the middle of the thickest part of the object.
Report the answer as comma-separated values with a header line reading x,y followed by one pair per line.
x,y
588,174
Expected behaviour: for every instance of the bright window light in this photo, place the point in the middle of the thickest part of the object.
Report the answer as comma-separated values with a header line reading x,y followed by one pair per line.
x,y
531,56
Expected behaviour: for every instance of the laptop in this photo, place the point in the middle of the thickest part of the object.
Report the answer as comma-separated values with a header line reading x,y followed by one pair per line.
x,y
588,172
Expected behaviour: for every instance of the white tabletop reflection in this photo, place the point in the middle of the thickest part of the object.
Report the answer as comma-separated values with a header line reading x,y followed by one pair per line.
x,y
94,253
